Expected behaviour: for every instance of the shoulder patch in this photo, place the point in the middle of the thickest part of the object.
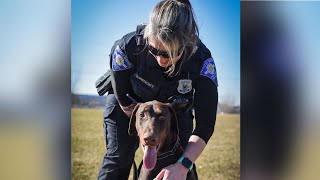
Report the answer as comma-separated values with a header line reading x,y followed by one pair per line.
x,y
120,60
209,70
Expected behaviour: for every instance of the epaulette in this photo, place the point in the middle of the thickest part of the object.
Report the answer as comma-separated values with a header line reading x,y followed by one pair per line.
x,y
140,40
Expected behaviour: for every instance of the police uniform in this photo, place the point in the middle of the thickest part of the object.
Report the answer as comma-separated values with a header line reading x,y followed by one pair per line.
x,y
136,72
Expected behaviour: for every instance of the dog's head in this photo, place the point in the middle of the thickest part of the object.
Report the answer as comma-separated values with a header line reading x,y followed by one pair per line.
x,y
152,121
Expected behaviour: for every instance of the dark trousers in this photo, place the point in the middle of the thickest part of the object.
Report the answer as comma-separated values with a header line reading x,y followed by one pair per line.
x,y
121,147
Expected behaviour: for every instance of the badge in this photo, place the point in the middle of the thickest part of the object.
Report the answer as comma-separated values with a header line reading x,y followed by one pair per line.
x,y
209,70
120,60
185,86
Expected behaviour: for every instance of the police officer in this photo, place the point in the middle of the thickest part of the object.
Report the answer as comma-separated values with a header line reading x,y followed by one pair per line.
x,y
165,61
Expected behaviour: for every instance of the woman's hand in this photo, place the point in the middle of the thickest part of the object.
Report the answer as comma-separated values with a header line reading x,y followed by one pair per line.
x,y
128,109
173,172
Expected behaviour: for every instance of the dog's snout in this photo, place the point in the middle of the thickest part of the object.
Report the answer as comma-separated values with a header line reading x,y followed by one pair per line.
x,y
149,138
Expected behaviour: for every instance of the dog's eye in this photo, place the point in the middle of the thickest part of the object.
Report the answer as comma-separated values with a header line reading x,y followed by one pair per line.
x,y
142,115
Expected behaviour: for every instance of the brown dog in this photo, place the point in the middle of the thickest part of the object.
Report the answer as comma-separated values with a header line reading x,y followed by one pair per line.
x,y
156,125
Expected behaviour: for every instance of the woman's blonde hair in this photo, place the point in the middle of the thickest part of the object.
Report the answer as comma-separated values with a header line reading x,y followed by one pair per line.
x,y
172,24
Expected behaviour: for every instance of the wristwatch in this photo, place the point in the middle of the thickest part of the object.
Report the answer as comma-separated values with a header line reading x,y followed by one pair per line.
x,y
186,162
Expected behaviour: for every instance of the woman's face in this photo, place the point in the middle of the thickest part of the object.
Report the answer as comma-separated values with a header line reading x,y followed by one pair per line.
x,y
162,60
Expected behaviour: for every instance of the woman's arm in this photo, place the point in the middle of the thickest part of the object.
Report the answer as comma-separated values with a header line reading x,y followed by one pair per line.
x,y
177,171
195,147
122,62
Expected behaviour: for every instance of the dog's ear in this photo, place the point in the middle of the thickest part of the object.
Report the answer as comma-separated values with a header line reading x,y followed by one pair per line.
x,y
174,120
132,124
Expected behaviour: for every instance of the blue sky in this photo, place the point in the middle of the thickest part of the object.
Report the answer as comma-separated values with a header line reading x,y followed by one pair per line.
x,y
97,24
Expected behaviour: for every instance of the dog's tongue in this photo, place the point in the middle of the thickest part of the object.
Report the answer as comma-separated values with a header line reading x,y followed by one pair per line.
x,y
149,157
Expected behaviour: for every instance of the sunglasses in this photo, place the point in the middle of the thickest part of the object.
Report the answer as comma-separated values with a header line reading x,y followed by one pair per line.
x,y
157,52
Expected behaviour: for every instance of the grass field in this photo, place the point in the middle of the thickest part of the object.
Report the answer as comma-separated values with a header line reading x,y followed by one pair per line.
x,y
219,161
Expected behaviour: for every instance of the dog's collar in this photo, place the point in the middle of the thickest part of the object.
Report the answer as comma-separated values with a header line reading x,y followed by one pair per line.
x,y
170,152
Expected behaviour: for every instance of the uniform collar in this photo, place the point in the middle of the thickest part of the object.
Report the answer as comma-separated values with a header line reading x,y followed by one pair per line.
x,y
151,61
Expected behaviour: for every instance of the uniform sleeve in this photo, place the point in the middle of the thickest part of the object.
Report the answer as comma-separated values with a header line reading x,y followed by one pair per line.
x,y
206,100
122,68
205,104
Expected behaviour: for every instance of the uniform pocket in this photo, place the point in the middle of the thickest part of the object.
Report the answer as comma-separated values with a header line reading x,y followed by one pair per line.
x,y
112,138
111,131
143,88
